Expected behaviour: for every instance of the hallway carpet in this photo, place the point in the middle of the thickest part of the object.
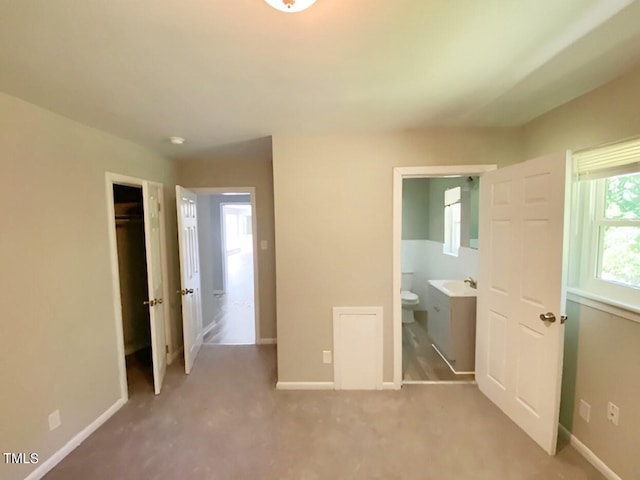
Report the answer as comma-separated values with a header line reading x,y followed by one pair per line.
x,y
226,421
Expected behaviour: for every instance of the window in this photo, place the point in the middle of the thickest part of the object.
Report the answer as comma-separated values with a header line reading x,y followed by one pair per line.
x,y
452,213
607,234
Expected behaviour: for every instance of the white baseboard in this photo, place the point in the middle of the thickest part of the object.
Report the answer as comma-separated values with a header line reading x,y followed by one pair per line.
x,y
173,356
267,341
305,385
72,444
321,386
209,327
591,457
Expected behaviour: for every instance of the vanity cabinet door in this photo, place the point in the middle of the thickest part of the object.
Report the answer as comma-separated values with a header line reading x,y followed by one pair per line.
x,y
439,326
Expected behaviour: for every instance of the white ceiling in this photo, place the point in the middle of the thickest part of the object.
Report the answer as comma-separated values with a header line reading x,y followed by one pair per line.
x,y
222,71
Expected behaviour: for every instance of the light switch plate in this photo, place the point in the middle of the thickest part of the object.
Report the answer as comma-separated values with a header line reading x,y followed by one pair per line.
x,y
585,411
263,244
326,356
54,420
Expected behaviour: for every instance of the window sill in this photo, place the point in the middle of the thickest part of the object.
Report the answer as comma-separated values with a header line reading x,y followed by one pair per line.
x,y
620,309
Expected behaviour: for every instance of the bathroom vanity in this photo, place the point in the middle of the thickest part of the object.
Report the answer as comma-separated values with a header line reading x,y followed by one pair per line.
x,y
452,323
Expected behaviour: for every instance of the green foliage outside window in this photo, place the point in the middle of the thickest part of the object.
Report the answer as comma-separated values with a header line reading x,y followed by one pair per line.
x,y
621,244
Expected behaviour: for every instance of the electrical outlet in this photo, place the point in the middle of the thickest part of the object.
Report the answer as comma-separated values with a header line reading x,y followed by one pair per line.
x,y
326,356
54,420
585,410
613,413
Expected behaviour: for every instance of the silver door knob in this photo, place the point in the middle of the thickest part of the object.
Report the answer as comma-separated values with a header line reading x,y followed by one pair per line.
x,y
151,303
189,290
548,317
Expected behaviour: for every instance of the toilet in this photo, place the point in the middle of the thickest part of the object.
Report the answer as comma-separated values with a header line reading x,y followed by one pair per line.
x,y
410,300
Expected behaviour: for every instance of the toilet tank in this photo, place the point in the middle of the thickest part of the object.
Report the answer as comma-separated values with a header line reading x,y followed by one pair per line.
x,y
407,280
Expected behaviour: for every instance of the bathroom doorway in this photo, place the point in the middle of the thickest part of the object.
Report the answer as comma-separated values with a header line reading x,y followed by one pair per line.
x,y
228,266
435,269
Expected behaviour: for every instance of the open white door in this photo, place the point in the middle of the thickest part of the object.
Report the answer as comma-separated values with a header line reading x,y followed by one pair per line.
x,y
189,275
521,280
151,201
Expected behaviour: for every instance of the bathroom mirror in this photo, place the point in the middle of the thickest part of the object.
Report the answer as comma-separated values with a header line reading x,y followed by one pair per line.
x,y
423,209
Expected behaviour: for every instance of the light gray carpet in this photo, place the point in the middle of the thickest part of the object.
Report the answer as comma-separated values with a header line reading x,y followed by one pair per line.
x,y
227,421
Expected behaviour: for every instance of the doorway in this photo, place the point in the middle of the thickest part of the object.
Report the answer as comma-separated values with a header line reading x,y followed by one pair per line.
x,y
430,207
228,261
138,267
132,275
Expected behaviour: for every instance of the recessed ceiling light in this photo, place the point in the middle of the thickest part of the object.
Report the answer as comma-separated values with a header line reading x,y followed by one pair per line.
x,y
177,140
290,6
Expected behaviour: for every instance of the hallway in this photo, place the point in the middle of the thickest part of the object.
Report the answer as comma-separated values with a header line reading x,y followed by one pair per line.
x,y
235,309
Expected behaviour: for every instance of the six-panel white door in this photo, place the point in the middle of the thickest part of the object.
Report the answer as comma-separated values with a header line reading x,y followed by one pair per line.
x,y
189,275
151,202
521,276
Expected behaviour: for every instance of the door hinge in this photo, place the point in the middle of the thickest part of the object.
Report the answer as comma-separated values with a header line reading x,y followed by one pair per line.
x,y
159,207
166,348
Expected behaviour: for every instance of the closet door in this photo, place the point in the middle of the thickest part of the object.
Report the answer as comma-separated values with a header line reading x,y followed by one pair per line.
x,y
151,194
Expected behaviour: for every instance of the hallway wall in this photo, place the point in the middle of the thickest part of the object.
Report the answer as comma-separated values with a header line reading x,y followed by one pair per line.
x,y
244,164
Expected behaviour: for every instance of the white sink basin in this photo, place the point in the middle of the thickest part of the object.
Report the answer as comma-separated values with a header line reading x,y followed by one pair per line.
x,y
454,288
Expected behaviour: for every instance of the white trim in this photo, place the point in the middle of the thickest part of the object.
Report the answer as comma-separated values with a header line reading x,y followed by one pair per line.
x,y
439,382
72,444
218,292
400,173
112,179
208,328
304,386
619,309
448,364
173,356
586,452
254,226
268,341
389,386
337,360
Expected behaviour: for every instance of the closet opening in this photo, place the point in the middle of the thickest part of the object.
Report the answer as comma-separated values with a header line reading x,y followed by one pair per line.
x,y
134,288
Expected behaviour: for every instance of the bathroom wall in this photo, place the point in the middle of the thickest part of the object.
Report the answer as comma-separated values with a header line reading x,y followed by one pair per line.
x,y
423,233
469,220
426,260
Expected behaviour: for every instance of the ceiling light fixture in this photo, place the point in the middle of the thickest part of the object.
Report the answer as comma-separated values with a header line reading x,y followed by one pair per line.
x,y
177,140
290,6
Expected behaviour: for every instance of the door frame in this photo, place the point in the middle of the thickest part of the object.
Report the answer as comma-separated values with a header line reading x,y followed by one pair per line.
x,y
112,179
399,174
254,227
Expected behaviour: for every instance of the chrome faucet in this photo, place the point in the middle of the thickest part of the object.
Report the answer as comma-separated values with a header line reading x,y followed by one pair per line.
x,y
472,283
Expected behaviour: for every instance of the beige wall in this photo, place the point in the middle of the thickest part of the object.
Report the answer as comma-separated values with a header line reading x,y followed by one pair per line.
x,y
58,331
243,165
333,208
603,351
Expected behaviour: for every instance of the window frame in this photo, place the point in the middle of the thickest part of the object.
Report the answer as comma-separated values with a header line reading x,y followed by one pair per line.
x,y
591,220
452,226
